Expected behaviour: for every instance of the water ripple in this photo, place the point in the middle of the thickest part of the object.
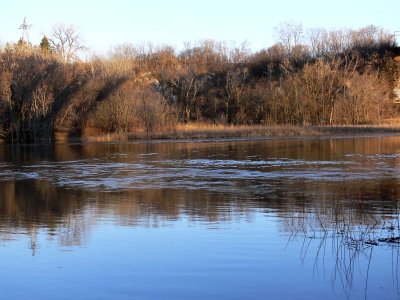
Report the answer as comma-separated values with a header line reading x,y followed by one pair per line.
x,y
202,173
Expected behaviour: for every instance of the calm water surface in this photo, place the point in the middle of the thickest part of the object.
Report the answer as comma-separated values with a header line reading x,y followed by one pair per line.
x,y
269,219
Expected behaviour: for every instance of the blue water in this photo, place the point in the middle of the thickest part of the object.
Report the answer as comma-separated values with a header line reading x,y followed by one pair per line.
x,y
267,219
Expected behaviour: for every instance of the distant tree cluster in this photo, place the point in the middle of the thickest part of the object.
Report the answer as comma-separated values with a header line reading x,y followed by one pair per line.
x,y
312,77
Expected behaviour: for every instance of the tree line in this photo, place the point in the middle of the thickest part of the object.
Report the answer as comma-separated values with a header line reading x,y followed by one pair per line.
x,y
309,77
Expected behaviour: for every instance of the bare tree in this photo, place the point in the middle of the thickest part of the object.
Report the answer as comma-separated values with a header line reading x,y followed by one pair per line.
x,y
234,87
317,39
239,53
66,42
289,34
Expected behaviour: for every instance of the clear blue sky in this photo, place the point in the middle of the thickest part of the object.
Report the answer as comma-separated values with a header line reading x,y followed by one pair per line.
x,y
103,24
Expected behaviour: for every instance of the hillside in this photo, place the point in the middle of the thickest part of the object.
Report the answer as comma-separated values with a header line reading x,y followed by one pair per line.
x,y
338,78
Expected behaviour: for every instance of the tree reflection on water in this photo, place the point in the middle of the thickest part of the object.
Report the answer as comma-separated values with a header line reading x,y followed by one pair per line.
x,y
69,215
349,232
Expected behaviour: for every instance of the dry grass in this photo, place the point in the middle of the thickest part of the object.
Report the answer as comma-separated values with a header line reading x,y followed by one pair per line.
x,y
359,129
214,131
204,131
392,121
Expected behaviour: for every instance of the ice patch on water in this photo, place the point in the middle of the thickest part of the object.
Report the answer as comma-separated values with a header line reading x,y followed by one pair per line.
x,y
148,154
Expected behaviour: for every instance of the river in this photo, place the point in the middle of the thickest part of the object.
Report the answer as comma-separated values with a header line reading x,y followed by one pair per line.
x,y
292,218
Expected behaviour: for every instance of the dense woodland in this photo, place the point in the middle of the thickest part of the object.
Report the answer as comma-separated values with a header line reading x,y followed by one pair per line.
x,y
309,77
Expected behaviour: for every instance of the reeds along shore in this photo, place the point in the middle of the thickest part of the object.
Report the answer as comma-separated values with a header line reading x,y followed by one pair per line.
x,y
212,131
209,89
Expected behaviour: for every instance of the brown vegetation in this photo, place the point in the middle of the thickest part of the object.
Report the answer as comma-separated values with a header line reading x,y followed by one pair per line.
x,y
206,131
315,78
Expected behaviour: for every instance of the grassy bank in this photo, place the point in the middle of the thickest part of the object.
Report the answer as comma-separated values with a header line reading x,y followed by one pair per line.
x,y
211,131
358,130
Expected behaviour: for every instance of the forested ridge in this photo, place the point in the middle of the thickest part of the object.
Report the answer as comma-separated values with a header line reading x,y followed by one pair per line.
x,y
313,77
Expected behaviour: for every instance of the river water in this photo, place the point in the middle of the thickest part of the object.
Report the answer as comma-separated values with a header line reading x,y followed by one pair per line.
x,y
261,219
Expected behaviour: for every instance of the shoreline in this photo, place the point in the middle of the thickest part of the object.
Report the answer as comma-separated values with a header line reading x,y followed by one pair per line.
x,y
228,133
193,133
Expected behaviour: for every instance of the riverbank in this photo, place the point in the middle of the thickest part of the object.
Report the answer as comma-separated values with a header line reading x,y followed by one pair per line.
x,y
210,131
